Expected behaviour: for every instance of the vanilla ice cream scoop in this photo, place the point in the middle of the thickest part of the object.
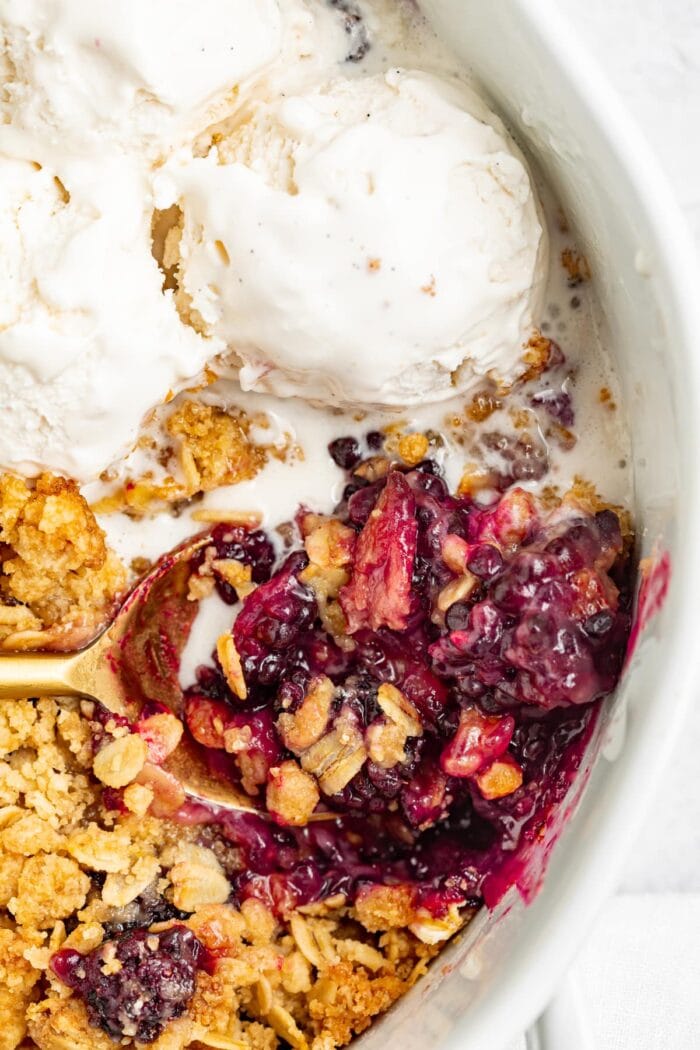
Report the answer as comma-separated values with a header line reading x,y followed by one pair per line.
x,y
376,241
142,73
89,342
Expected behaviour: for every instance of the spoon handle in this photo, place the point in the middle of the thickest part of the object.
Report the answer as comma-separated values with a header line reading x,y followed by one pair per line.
x,y
24,675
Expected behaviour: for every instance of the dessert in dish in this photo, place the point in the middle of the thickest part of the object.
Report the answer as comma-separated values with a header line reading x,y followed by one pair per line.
x,y
312,302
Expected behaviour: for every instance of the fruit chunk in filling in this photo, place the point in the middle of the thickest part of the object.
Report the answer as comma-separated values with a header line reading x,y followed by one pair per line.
x,y
134,985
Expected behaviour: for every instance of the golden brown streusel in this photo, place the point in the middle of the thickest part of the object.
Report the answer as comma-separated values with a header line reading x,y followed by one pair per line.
x,y
231,665
314,980
57,570
215,444
17,981
386,907
292,794
71,867
49,888
201,448
62,1024
536,356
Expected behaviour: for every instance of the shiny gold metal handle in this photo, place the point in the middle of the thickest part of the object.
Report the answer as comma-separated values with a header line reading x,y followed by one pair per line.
x,y
24,675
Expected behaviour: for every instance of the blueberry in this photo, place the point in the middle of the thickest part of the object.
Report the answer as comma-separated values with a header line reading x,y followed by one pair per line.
x,y
485,561
345,452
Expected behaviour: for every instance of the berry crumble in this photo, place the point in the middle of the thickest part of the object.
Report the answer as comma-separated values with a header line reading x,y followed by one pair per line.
x,y
423,669
303,298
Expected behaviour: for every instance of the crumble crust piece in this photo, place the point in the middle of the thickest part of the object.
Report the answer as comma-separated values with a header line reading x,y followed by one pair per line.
x,y
56,568
204,448
216,444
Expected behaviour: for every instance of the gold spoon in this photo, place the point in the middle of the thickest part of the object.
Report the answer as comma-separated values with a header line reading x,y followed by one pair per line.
x,y
134,661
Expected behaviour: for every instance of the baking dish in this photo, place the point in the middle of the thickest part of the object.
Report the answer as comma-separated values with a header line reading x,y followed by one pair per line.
x,y
494,980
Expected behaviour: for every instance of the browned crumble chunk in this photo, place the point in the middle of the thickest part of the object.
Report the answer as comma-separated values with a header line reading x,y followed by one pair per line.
x,y
412,448
386,907
215,445
313,980
482,405
536,356
204,447
308,723
292,795
56,567
17,981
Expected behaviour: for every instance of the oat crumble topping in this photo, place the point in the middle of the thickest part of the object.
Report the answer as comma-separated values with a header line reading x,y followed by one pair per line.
x,y
201,447
74,871
58,576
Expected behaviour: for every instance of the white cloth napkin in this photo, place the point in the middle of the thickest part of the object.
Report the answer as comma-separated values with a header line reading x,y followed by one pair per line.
x,y
636,983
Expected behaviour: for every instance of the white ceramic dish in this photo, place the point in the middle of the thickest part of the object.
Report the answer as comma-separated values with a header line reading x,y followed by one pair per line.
x,y
491,984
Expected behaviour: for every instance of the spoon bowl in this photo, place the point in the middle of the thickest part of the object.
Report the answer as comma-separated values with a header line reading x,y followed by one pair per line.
x,y
132,663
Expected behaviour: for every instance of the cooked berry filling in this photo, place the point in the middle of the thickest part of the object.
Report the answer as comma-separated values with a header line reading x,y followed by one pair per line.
x,y
423,670
134,985
427,667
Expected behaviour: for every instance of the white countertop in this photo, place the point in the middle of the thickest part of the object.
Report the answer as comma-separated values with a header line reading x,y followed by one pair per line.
x,y
650,50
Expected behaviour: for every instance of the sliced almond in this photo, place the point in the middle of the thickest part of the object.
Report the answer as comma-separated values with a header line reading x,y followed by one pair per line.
x,y
218,1041
231,665
399,709
308,723
306,942
263,990
362,954
337,757
214,515
458,590
286,1027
